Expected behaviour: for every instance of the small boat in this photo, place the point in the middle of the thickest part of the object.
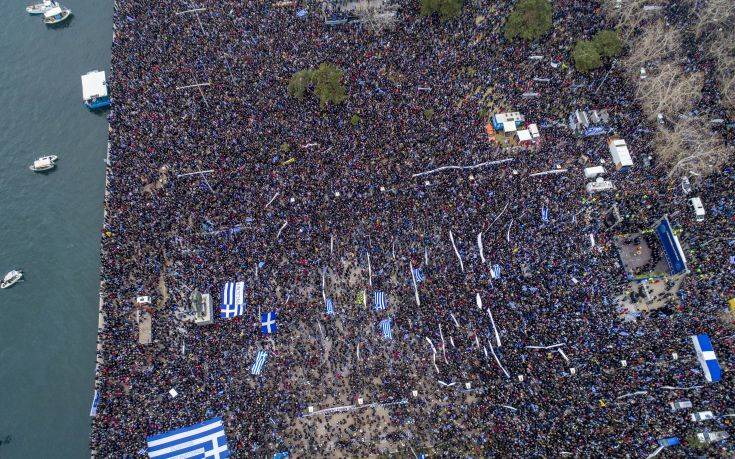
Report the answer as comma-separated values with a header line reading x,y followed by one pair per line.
x,y
11,278
44,163
40,8
56,15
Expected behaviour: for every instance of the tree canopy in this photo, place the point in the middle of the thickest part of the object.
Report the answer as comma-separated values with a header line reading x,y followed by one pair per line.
x,y
447,9
608,43
299,82
586,57
530,20
326,81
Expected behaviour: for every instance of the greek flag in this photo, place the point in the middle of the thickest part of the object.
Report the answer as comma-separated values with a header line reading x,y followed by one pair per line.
x,y
206,439
545,214
495,273
418,275
379,303
95,403
268,322
259,362
330,307
233,300
385,326
707,358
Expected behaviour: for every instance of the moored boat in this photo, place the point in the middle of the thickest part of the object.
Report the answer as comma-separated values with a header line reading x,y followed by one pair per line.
x,y
44,163
56,15
40,8
11,278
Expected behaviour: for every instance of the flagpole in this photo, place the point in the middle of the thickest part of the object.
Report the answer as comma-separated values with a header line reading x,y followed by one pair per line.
x,y
415,289
370,270
479,244
451,238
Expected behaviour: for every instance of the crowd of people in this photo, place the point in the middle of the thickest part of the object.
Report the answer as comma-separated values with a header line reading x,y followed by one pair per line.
x,y
304,204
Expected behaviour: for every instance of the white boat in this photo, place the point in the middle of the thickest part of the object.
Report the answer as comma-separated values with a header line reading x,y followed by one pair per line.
x,y
11,278
56,15
44,163
40,8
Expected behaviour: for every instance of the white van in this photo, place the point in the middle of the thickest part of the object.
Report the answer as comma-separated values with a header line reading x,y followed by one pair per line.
x,y
698,209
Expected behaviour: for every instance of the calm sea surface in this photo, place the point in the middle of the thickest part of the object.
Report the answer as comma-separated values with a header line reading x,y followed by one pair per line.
x,y
50,227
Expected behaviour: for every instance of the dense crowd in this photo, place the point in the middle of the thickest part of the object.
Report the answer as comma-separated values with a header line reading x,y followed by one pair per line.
x,y
349,194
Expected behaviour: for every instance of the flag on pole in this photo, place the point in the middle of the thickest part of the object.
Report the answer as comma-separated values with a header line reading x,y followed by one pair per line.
x,y
545,214
385,326
418,275
495,273
95,403
379,302
360,298
268,322
259,362
330,307
206,439
233,300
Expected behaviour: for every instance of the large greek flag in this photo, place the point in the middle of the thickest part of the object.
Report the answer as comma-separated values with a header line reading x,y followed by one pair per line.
x,y
233,300
418,275
268,322
379,302
259,362
385,325
707,358
204,440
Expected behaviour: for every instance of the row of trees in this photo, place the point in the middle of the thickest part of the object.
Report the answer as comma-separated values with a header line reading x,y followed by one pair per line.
x,y
685,143
325,81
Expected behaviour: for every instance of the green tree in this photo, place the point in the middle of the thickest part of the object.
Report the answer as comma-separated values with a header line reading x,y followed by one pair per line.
x,y
327,81
530,20
447,9
608,43
586,57
299,82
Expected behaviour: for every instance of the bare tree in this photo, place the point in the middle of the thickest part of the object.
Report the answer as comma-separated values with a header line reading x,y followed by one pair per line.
x,y
690,147
658,42
669,91
631,15
722,48
375,14
711,15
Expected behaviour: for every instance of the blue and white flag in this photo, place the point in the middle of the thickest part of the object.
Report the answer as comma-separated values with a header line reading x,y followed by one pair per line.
x,y
268,322
206,439
495,273
380,301
707,358
385,325
330,307
418,275
259,362
233,300
95,403
545,214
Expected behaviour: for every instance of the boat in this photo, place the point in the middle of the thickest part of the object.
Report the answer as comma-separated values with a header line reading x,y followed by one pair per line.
x,y
56,15
94,90
44,163
40,8
11,278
